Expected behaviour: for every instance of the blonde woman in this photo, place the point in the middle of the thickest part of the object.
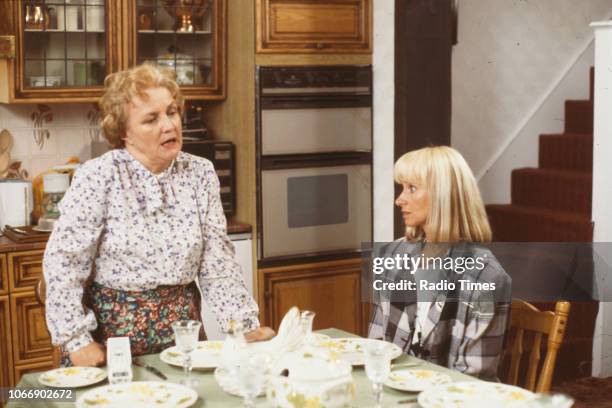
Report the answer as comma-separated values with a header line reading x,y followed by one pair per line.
x,y
462,326
143,222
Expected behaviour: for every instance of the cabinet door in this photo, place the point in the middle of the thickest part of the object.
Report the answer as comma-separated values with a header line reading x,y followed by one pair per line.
x,y
313,26
24,269
186,36
64,50
6,367
31,339
330,289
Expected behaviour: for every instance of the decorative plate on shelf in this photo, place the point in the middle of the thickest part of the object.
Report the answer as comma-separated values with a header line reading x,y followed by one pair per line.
x,y
140,394
415,380
474,394
72,377
351,349
206,355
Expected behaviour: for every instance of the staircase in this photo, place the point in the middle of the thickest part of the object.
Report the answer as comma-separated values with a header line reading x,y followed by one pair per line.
x,y
552,203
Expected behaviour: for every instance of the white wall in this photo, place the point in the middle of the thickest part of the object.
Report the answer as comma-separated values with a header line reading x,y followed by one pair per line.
x,y
509,55
521,149
384,94
602,193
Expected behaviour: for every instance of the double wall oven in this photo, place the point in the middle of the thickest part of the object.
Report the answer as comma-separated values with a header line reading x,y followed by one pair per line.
x,y
314,150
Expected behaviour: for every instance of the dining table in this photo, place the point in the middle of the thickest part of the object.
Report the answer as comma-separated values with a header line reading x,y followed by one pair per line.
x,y
211,395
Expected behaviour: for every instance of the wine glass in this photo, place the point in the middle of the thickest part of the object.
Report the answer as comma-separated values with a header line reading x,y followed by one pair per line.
x,y
252,374
306,320
186,333
377,366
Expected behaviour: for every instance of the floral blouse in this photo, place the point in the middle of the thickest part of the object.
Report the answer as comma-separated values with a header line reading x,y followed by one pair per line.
x,y
136,231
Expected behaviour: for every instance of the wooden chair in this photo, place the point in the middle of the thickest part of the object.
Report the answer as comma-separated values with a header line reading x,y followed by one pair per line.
x,y
525,317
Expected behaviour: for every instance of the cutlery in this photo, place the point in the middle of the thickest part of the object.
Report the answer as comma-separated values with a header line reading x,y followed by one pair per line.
x,y
402,365
149,368
407,401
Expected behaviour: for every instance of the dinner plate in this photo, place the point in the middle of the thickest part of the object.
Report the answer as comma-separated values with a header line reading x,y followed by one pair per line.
x,y
474,394
415,380
72,377
206,355
351,349
140,394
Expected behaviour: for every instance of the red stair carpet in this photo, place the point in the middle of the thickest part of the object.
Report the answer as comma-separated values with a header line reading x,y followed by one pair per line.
x,y
552,203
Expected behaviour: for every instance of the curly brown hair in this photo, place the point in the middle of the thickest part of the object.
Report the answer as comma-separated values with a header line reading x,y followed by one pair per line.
x,y
122,86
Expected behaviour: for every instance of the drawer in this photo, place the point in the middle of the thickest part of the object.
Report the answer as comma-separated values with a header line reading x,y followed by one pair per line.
x,y
314,26
24,269
31,339
4,283
6,358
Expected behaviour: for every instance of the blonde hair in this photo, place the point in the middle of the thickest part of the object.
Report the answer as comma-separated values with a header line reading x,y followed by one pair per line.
x,y
456,211
122,86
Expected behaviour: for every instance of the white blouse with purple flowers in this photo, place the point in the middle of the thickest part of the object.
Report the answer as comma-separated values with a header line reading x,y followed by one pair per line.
x,y
138,231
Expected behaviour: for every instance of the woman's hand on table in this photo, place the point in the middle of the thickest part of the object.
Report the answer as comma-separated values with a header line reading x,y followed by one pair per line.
x,y
92,355
260,334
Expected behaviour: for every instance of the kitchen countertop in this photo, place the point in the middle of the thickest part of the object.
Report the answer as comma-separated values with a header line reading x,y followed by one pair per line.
x,y
7,245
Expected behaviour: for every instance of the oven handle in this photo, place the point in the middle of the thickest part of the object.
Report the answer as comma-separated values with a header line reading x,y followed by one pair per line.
x,y
315,101
299,161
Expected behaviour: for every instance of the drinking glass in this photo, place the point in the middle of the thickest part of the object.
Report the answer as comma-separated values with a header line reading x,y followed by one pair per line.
x,y
306,320
186,333
252,374
378,366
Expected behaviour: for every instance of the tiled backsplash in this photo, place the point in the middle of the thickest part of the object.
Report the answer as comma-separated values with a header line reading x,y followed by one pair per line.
x,y
47,135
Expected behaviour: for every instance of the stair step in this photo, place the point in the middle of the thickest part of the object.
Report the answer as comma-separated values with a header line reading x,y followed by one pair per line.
x,y
566,151
513,223
562,190
579,116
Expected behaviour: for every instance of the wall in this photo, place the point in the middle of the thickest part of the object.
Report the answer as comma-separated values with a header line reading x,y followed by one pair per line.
x,y
547,118
509,55
384,108
602,195
65,130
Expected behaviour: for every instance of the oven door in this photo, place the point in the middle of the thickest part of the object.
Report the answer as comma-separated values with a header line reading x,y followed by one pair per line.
x,y
315,210
316,125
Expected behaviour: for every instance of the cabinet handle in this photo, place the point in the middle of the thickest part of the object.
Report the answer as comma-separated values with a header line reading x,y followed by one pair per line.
x,y
267,294
320,46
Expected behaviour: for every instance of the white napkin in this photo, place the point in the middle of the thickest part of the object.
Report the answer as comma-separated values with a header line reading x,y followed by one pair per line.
x,y
290,336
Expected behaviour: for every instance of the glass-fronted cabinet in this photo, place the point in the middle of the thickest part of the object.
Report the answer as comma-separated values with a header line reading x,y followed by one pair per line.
x,y
65,48
185,35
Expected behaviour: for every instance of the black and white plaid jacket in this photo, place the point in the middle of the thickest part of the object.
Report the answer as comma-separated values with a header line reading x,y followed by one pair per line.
x,y
464,330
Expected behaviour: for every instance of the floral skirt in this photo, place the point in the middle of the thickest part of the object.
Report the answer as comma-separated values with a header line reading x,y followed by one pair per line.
x,y
143,316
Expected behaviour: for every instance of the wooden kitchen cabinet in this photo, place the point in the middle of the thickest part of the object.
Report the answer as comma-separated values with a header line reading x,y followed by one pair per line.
x,y
331,289
24,269
4,283
26,343
58,51
6,357
314,26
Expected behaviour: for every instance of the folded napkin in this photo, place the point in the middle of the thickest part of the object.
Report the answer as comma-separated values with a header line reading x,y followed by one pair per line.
x,y
290,337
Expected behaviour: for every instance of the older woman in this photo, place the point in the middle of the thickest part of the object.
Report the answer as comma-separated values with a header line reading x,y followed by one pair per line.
x,y
462,326
140,224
